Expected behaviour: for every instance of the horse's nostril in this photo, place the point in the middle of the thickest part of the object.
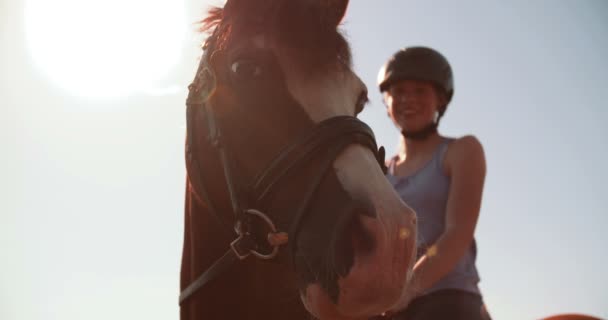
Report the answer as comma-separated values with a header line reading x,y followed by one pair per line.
x,y
351,237
362,239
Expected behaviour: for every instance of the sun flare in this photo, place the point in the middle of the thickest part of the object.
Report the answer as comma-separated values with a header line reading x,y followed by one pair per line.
x,y
105,48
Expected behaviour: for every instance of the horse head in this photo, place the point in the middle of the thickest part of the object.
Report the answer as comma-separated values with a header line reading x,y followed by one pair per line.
x,y
274,148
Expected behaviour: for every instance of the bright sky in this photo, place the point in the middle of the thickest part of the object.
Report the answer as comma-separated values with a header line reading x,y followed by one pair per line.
x,y
91,189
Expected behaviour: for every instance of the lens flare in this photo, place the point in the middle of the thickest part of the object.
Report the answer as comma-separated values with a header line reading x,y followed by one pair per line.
x,y
105,48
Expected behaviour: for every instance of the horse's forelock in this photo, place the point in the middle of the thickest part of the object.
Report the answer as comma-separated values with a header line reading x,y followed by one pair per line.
x,y
318,45
209,25
213,19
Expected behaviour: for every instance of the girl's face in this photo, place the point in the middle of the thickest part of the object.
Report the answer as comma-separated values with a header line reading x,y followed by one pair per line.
x,y
412,104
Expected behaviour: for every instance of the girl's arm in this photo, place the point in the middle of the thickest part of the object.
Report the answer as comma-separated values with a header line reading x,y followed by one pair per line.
x,y
465,164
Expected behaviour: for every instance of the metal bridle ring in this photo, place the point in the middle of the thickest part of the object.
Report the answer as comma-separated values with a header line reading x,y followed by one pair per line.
x,y
273,228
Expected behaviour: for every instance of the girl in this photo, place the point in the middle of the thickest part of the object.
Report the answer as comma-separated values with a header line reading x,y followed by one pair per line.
x,y
442,179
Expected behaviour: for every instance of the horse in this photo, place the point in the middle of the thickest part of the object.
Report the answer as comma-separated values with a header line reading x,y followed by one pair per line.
x,y
570,316
288,213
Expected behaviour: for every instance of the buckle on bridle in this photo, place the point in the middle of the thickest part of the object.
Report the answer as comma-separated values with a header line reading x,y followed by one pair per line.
x,y
245,245
242,245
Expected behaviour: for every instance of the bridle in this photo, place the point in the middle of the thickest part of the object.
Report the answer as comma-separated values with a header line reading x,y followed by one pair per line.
x,y
329,138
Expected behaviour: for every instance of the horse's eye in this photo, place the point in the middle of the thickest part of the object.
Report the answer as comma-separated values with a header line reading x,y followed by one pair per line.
x,y
246,68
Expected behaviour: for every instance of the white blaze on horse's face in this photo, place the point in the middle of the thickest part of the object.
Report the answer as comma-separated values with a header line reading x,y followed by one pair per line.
x,y
378,278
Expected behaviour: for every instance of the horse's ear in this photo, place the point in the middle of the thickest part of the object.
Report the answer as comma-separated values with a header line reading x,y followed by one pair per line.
x,y
337,10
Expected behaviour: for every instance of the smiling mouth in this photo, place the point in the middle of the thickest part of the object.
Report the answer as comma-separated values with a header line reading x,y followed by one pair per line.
x,y
408,112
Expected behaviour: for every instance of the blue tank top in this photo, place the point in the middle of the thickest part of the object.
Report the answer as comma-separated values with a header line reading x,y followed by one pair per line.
x,y
426,191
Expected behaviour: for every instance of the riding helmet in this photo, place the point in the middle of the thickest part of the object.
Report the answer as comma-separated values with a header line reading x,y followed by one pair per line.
x,y
418,63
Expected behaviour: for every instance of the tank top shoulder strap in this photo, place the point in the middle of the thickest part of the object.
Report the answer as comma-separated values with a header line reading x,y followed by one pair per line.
x,y
390,164
441,151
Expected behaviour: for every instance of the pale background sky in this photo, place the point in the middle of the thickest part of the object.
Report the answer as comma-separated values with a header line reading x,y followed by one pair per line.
x,y
91,189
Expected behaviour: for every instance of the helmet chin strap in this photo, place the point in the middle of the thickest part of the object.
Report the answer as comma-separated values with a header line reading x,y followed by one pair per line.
x,y
421,134
425,132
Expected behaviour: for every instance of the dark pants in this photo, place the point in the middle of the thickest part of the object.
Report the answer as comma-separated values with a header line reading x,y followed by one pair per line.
x,y
445,304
